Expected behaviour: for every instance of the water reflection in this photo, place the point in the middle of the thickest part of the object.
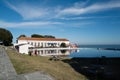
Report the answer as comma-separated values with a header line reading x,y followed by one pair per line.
x,y
82,52
53,52
48,52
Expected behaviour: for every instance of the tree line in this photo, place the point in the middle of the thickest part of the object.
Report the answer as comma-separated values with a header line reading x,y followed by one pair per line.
x,y
38,36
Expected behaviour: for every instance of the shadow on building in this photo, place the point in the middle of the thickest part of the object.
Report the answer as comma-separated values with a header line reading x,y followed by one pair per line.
x,y
96,68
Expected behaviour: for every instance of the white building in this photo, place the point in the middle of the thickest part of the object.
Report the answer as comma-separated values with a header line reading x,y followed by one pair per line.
x,y
23,47
24,44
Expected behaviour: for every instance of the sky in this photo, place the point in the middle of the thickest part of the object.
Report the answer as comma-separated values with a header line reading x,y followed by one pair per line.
x,y
80,21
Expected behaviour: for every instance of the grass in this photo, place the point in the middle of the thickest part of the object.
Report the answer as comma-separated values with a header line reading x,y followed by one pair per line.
x,y
57,69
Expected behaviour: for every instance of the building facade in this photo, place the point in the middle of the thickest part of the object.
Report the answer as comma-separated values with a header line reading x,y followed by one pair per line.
x,y
25,43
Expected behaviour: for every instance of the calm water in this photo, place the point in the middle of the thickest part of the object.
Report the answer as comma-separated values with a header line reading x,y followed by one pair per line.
x,y
87,51
99,46
94,52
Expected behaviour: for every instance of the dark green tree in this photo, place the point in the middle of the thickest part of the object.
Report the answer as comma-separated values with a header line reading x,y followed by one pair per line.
x,y
42,36
49,36
63,45
6,37
23,35
37,36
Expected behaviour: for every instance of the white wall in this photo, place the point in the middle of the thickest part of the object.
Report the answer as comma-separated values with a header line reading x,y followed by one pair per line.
x,y
42,42
24,48
22,41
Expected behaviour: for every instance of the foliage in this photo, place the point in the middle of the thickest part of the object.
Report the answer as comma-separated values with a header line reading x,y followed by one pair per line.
x,y
23,35
42,36
6,37
63,45
49,36
37,36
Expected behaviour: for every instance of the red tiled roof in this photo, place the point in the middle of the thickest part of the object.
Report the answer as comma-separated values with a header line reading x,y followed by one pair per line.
x,y
42,39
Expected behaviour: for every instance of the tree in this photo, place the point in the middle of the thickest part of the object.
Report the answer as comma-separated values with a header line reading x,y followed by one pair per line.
x,y
23,35
37,36
42,36
63,45
6,37
49,36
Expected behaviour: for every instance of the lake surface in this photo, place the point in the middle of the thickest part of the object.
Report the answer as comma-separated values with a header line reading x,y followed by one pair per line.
x,y
94,53
81,53
99,46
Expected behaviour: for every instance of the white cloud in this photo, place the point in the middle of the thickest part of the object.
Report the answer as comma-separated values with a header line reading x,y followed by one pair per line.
x,y
43,24
28,11
80,4
27,24
91,17
89,9
76,18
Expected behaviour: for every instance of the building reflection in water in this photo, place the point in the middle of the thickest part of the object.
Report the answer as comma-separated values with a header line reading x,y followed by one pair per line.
x,y
48,52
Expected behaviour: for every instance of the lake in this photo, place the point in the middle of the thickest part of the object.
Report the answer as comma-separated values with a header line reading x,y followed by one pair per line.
x,y
86,51
94,53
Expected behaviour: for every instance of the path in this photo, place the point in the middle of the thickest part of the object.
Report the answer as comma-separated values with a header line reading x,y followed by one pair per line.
x,y
7,71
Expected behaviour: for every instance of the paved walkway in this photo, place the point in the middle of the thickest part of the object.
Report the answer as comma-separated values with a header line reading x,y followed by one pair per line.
x,y
38,76
7,71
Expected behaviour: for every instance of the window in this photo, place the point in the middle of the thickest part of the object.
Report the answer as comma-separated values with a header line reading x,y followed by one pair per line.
x,y
31,43
38,44
42,44
35,44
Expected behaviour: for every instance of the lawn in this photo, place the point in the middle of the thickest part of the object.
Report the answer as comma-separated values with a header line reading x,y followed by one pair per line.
x,y
57,69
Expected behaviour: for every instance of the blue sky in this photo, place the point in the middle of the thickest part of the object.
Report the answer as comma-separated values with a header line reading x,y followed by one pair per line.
x,y
80,21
